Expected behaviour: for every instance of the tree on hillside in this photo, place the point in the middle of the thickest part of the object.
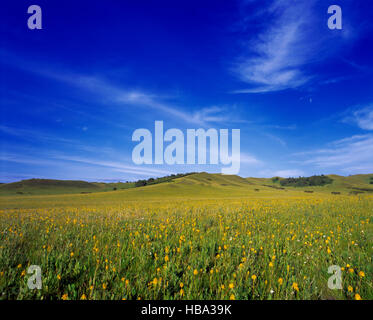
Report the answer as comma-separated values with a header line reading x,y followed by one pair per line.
x,y
306,181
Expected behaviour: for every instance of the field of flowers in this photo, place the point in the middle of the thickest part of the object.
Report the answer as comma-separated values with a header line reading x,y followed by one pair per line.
x,y
197,249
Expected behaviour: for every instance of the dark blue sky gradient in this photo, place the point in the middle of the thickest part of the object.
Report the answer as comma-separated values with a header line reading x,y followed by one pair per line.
x,y
73,92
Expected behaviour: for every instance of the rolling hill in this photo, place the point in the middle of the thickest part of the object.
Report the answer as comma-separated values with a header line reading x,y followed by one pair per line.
x,y
193,185
49,186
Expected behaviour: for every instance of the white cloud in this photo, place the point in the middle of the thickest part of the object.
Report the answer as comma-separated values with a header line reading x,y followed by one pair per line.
x,y
281,50
285,173
364,117
117,166
211,114
201,117
249,159
347,155
116,94
276,138
60,166
289,127
289,173
21,158
33,135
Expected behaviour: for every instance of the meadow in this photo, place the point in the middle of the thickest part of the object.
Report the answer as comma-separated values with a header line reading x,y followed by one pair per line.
x,y
220,241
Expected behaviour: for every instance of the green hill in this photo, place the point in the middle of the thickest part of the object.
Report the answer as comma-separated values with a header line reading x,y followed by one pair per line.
x,y
49,186
354,184
190,186
199,186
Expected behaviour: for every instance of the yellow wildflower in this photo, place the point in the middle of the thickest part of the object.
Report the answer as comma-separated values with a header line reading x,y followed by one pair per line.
x,y
295,286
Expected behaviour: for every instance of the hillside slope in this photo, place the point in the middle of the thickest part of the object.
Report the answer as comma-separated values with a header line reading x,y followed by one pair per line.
x,y
195,185
50,186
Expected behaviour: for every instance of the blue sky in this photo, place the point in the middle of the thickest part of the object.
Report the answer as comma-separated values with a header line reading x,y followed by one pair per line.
x,y
73,93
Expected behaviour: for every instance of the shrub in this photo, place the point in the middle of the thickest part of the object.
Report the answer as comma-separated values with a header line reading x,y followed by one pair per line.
x,y
141,183
306,181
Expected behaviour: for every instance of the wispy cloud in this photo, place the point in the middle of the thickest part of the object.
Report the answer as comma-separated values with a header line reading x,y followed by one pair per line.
x,y
289,127
33,135
112,93
278,54
211,114
285,173
276,138
23,159
362,117
345,155
119,95
50,160
289,173
117,166
202,117
248,159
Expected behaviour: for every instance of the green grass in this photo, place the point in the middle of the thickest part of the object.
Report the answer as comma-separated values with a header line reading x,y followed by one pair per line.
x,y
191,184
49,186
203,236
196,186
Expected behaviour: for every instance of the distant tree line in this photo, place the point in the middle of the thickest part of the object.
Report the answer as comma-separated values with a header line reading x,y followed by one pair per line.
x,y
371,180
150,181
304,181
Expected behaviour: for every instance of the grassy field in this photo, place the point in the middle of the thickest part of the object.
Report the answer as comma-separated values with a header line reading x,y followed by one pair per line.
x,y
199,237
49,186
